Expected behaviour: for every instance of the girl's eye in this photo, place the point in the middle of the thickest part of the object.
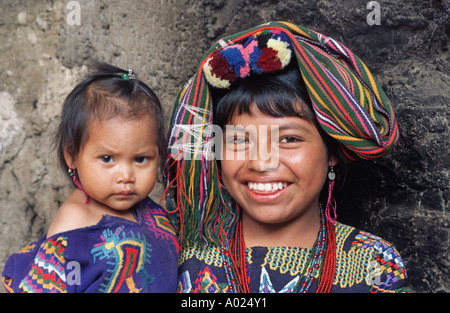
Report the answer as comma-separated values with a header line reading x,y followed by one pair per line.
x,y
141,159
236,140
289,139
106,159
239,140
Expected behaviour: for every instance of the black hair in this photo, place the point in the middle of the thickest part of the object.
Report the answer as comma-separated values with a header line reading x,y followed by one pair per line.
x,y
104,95
276,94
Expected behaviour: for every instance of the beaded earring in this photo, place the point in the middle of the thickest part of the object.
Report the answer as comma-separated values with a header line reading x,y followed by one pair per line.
x,y
331,174
72,173
331,203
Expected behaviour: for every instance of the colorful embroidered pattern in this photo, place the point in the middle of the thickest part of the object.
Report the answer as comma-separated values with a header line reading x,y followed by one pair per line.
x,y
388,259
7,283
205,282
157,222
286,259
210,256
128,253
364,263
47,274
28,248
351,266
265,285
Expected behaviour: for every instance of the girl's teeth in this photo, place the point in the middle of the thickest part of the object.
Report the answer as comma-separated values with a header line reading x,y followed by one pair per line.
x,y
266,186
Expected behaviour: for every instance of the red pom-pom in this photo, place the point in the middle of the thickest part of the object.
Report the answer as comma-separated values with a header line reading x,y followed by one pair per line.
x,y
269,61
221,68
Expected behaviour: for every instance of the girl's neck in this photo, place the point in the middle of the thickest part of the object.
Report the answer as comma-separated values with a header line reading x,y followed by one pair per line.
x,y
300,232
98,209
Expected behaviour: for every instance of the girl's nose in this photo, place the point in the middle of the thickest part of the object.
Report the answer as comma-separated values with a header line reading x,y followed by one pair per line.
x,y
264,157
125,175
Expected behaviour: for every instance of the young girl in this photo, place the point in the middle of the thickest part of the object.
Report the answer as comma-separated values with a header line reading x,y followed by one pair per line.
x,y
108,236
294,107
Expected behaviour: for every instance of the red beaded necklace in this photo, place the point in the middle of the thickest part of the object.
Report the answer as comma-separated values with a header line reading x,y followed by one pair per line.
x,y
322,258
329,266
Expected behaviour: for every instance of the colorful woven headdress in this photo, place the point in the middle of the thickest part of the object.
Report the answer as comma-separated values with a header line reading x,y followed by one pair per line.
x,y
348,103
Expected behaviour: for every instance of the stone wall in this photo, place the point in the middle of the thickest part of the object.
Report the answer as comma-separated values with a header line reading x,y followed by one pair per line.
x,y
402,198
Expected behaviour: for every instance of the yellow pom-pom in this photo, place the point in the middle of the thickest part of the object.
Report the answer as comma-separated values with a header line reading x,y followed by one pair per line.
x,y
282,47
213,79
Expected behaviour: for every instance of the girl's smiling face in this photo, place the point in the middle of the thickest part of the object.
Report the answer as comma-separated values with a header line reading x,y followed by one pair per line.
x,y
277,185
117,166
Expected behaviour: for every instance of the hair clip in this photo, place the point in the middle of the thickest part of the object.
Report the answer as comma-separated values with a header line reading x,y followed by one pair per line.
x,y
128,76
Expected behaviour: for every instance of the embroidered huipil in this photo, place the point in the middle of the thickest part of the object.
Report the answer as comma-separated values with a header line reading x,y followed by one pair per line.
x,y
364,263
115,255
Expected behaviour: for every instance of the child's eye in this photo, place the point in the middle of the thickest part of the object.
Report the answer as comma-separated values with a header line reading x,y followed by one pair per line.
x,y
141,159
289,139
106,159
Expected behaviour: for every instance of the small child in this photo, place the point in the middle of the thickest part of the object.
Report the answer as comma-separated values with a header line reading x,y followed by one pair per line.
x,y
108,236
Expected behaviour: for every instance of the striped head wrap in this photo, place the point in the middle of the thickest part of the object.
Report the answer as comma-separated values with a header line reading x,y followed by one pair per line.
x,y
348,102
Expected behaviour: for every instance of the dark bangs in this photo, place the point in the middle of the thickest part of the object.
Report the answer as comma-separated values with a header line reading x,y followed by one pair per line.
x,y
279,94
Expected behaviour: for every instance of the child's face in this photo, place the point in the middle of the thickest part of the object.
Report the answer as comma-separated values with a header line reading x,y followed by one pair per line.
x,y
282,185
118,164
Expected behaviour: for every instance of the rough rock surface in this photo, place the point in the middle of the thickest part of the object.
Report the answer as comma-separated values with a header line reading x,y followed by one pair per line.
x,y
403,197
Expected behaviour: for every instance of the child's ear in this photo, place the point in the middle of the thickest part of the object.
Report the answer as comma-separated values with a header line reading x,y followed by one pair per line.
x,y
69,160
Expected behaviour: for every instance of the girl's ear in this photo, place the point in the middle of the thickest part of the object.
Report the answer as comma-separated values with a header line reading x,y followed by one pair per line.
x,y
332,160
69,160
